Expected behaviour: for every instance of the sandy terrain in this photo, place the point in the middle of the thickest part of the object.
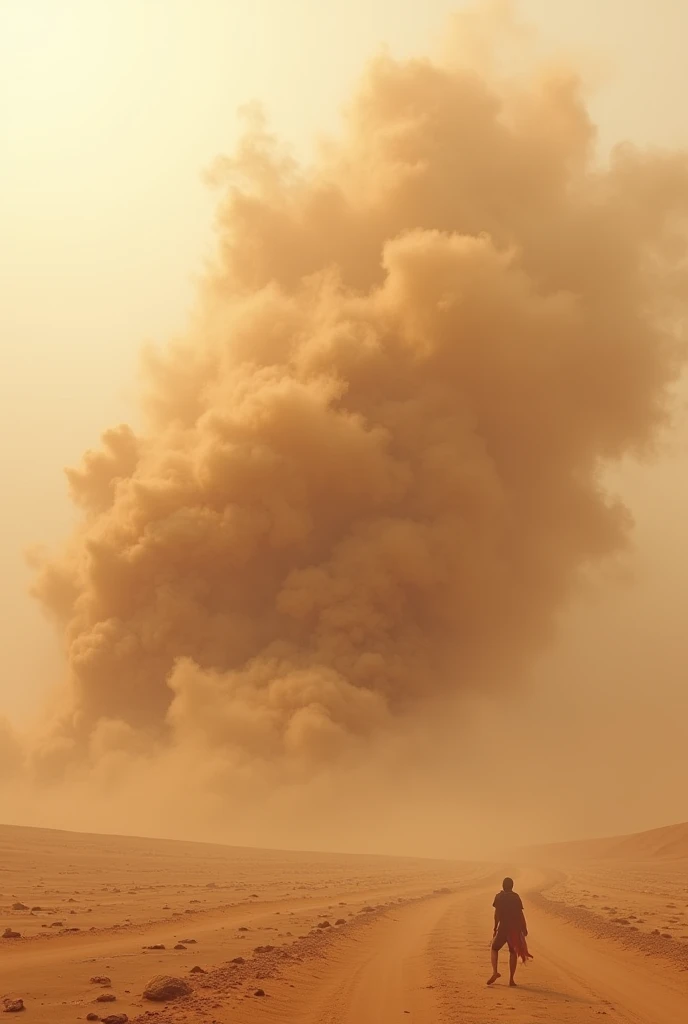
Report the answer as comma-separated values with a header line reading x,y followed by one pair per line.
x,y
407,939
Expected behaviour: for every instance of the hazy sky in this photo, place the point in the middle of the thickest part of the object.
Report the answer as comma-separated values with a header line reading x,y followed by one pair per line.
x,y
109,111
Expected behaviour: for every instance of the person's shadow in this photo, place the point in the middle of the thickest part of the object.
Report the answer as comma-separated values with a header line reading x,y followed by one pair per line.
x,y
549,992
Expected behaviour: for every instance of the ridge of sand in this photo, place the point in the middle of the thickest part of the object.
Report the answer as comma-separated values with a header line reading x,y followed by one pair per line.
x,y
31,835
667,843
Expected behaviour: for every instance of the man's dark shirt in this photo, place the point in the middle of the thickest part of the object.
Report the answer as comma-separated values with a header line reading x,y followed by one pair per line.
x,y
509,907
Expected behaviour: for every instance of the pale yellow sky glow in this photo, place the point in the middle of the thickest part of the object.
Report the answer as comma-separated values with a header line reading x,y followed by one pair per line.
x,y
109,112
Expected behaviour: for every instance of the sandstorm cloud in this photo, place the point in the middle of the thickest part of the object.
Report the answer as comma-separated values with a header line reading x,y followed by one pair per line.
x,y
373,468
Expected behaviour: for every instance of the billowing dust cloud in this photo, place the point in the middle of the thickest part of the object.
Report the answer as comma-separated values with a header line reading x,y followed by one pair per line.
x,y
373,469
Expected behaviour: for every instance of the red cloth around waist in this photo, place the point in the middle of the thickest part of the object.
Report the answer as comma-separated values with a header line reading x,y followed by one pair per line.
x,y
517,941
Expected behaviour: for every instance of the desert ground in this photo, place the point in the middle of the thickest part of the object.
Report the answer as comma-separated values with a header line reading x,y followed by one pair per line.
x,y
259,935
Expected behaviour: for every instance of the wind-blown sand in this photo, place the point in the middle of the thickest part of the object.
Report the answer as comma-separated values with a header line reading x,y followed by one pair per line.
x,y
406,939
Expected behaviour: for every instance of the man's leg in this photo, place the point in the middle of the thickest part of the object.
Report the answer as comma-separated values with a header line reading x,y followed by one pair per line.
x,y
513,961
495,961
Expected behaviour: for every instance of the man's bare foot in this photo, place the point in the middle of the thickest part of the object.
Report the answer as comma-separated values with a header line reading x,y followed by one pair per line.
x,y
512,983
494,978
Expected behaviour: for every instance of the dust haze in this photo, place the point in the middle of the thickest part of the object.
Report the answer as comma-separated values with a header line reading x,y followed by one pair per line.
x,y
374,473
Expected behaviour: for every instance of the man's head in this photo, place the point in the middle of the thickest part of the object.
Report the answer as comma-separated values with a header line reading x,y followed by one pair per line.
x,y
508,884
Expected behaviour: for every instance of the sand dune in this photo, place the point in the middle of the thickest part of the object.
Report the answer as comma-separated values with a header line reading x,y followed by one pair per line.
x,y
668,843
262,935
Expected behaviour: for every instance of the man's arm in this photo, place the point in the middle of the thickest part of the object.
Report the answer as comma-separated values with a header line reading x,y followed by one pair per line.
x,y
496,920
524,926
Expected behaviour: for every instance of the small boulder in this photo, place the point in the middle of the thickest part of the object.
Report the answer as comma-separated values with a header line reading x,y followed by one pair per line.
x,y
197,970
158,945
13,1005
163,987
36,910
92,1016
188,942
238,960
19,906
340,920
324,924
180,945
100,979
106,997
9,933
115,1018
259,992
57,924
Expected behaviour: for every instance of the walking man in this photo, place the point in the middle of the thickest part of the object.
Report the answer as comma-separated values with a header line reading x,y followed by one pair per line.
x,y
510,928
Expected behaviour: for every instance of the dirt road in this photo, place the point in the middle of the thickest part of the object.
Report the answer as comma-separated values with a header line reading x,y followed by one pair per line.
x,y
428,963
420,956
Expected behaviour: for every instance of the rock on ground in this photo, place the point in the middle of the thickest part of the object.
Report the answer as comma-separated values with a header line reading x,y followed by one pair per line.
x,y
13,1005
164,986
